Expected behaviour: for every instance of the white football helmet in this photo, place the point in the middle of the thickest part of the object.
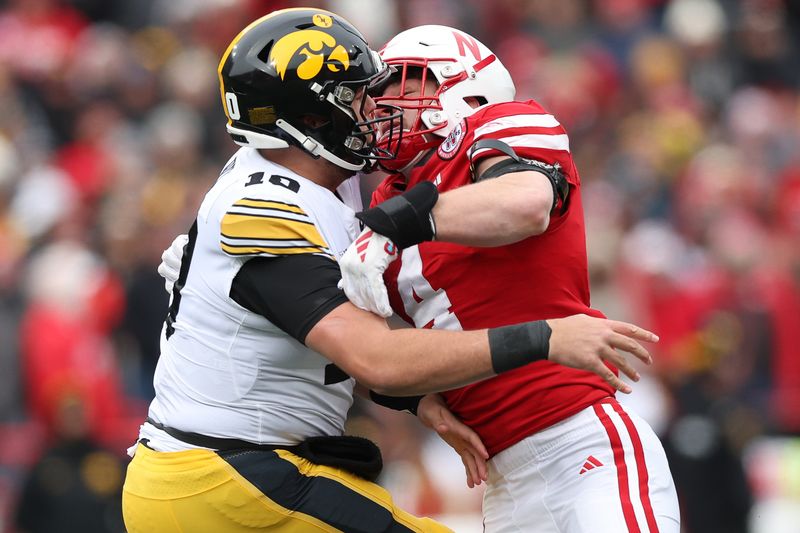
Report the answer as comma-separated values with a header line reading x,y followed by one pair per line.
x,y
463,67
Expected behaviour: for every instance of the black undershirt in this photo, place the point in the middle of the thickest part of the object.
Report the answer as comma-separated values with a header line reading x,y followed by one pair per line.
x,y
293,292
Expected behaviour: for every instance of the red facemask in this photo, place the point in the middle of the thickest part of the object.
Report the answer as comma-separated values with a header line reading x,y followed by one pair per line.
x,y
418,138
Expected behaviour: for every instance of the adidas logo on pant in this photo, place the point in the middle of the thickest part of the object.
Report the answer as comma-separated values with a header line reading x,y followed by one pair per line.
x,y
591,463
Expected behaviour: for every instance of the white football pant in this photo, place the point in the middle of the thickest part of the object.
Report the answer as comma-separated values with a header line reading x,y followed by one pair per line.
x,y
602,470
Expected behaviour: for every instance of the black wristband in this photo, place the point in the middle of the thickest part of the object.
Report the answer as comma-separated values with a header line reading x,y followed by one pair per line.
x,y
398,403
406,219
514,346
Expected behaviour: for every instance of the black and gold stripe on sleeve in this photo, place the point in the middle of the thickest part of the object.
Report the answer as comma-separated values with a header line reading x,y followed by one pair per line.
x,y
269,228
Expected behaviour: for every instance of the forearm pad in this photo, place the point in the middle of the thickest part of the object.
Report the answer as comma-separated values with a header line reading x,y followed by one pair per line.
x,y
405,219
515,346
398,403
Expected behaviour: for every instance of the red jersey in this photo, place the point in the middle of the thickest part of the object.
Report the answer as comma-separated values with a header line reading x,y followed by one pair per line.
x,y
449,286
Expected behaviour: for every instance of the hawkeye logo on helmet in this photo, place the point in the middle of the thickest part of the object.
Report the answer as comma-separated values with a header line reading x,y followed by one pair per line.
x,y
319,48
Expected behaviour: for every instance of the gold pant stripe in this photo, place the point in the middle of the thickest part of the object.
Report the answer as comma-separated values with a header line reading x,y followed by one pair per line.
x,y
371,491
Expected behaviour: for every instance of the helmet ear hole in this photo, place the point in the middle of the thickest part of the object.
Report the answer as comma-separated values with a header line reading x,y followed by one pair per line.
x,y
313,121
263,55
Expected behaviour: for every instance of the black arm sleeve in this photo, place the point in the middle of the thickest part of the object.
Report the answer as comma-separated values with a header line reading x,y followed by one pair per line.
x,y
293,292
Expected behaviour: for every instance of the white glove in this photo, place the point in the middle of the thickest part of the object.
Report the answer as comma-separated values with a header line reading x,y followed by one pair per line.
x,y
170,267
363,265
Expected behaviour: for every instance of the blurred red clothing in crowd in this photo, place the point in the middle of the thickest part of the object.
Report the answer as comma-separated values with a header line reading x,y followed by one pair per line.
x,y
37,37
67,354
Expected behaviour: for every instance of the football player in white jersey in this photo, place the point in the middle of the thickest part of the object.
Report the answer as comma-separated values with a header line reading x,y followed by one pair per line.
x,y
254,380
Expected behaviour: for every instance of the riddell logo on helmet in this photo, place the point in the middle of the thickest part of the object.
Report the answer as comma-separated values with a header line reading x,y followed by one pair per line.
x,y
318,47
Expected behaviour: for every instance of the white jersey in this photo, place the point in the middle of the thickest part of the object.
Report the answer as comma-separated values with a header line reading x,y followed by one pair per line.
x,y
225,371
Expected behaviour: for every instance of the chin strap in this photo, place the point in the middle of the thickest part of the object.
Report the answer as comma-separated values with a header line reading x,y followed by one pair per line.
x,y
411,164
422,152
315,148
252,139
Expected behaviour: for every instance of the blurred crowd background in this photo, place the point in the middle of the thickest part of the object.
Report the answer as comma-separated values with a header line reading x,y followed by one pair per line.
x,y
684,118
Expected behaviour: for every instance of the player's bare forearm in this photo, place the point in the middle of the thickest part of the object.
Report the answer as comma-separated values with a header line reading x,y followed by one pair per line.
x,y
401,362
434,360
495,212
409,362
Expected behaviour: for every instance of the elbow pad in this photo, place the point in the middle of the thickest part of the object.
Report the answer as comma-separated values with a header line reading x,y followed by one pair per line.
x,y
518,164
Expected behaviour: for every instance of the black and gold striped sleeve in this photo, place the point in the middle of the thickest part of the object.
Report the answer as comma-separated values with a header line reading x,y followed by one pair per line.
x,y
270,228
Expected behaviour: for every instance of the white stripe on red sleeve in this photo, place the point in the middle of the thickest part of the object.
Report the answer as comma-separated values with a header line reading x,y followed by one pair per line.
x,y
533,140
517,121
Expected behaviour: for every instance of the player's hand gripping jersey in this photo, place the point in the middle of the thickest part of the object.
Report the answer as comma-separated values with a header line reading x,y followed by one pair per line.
x,y
225,370
449,286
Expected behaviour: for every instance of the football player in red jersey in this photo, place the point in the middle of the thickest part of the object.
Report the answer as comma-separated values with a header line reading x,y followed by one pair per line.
x,y
504,242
